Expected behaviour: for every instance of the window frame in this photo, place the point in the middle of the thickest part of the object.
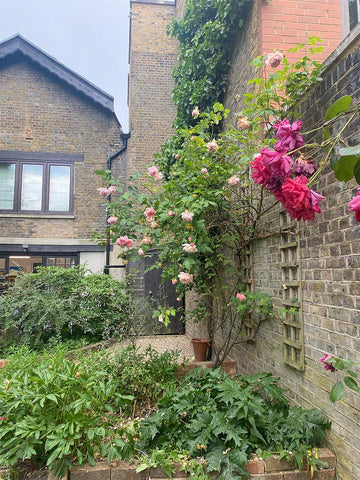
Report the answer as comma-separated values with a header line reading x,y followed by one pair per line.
x,y
47,160
345,17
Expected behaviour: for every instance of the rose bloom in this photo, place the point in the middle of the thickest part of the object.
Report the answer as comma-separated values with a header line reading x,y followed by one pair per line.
x,y
104,192
288,135
177,156
327,365
354,205
298,199
190,247
111,190
242,122
158,176
212,146
234,180
146,241
124,242
274,59
154,224
185,277
112,220
152,171
141,252
174,281
196,112
204,171
187,216
149,213
170,213
302,166
241,297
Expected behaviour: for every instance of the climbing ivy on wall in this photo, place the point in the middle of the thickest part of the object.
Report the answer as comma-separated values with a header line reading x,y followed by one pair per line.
x,y
205,36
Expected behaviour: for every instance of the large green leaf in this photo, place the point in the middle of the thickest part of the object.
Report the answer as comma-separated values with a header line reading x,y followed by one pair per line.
x,y
344,168
349,151
337,392
352,384
340,106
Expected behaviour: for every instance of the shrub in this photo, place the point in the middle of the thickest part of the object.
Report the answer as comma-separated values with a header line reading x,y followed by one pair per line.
x,y
222,420
57,303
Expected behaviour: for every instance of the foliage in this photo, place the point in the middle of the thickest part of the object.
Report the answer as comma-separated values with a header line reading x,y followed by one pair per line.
x,y
59,304
222,420
145,375
346,368
205,39
58,411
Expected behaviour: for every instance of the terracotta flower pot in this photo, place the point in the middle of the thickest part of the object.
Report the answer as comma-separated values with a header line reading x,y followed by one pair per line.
x,y
200,346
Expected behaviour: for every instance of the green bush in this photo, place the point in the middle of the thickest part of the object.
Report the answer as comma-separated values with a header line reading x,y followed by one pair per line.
x,y
58,304
222,420
57,411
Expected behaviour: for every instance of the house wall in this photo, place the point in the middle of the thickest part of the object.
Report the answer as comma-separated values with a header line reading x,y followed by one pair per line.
x,y
41,114
152,59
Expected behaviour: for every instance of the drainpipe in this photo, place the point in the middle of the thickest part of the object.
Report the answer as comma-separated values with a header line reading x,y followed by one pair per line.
x,y
124,137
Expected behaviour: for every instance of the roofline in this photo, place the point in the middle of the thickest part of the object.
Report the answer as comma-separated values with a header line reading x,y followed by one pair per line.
x,y
18,43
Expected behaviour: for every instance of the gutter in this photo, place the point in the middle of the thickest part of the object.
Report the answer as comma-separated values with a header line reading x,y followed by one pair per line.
x,y
124,137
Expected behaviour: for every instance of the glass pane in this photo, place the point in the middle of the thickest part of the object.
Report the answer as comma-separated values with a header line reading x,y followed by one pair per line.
x,y
2,264
59,196
353,13
31,187
7,185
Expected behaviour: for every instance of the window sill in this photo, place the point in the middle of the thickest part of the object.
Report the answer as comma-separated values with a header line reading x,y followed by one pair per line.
x,y
48,216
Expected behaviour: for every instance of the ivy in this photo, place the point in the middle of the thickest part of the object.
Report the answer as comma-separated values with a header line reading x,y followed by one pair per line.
x,y
205,35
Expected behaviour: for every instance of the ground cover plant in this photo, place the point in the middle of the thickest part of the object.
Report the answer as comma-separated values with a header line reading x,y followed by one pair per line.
x,y
56,304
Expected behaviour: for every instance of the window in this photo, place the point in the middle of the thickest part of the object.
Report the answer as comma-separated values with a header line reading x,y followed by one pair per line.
x,y
350,15
37,182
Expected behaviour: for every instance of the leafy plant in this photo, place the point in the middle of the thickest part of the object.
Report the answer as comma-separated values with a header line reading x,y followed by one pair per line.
x,y
58,304
222,420
346,368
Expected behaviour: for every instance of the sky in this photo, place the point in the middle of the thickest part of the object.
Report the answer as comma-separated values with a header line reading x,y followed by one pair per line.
x,y
88,36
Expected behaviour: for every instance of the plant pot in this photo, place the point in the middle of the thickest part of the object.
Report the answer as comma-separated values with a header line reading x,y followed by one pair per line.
x,y
200,346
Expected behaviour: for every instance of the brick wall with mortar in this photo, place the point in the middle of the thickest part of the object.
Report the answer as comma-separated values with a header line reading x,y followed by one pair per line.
x,y
152,59
330,281
35,105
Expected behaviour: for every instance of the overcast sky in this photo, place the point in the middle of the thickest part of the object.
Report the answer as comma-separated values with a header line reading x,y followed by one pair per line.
x,y
88,36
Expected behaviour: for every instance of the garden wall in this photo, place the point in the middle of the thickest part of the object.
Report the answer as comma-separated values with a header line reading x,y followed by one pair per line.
x,y
314,267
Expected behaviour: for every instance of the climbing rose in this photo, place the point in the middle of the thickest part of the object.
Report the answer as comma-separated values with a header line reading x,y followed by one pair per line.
x,y
154,224
149,213
146,241
274,59
212,146
185,277
288,135
327,365
158,176
170,213
152,171
187,216
354,205
234,180
141,252
302,166
125,242
190,247
195,112
111,190
241,297
242,122
298,200
3,418
270,168
174,281
204,171
103,191
112,220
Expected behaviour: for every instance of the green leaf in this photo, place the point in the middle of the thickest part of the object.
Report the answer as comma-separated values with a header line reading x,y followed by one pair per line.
x,y
349,151
352,384
337,392
52,397
357,172
350,372
344,168
99,172
340,106
91,460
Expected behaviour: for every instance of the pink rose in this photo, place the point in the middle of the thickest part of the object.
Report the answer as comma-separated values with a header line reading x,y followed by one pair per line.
x,y
196,112
103,191
170,213
154,224
185,277
141,252
124,242
174,281
152,171
274,59
111,190
242,122
190,247
149,213
146,241
159,176
112,220
187,216
298,200
3,418
288,135
234,180
212,146
354,205
204,171
327,365
241,297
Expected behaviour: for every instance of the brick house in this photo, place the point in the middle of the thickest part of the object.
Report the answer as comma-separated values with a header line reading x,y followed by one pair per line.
x,y
316,263
56,128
